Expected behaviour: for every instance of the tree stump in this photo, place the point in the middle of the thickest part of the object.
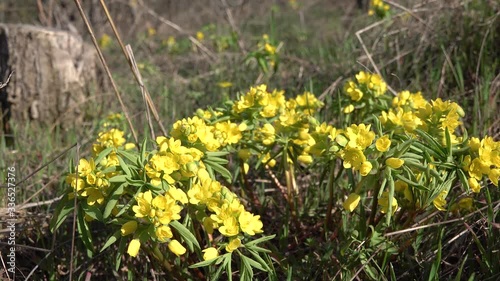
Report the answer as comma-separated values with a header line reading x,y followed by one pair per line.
x,y
55,73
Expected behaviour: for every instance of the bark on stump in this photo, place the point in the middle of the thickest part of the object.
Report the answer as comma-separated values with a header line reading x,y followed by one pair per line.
x,y
54,74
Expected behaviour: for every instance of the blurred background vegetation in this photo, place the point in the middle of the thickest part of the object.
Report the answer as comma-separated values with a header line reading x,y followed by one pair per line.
x,y
446,49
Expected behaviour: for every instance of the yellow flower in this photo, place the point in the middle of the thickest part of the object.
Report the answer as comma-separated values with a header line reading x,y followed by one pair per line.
x,y
200,36
225,84
76,182
353,158
365,168
249,223
363,77
175,247
394,163
104,41
352,202
85,167
493,175
270,49
230,227
383,202
474,185
133,247
143,207
163,233
305,158
233,245
128,228
268,134
440,201
348,109
466,204
383,144
477,168
151,31
356,94
210,253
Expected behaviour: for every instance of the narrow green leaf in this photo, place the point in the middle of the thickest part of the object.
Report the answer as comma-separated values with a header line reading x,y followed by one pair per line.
x,y
103,154
211,154
92,210
207,262
64,208
124,166
463,179
260,240
225,265
260,260
84,231
119,254
186,235
112,240
448,143
388,216
128,155
118,179
113,200
412,183
219,169
432,142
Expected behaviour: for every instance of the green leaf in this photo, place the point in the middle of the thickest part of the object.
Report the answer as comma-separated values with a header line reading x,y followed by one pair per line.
x,y
260,240
207,262
84,231
103,154
112,240
113,200
219,169
118,179
119,254
258,249
246,269
128,155
225,265
448,143
432,142
92,210
412,183
463,179
211,154
260,260
186,235
388,216
64,208
143,150
124,166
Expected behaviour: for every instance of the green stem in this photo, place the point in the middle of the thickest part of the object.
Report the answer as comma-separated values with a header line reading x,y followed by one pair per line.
x,y
331,181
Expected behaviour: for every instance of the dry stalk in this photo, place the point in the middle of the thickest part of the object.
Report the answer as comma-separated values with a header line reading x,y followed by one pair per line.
x,y
106,68
127,52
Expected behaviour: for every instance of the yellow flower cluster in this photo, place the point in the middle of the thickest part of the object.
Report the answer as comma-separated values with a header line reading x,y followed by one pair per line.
x,y
196,132
92,181
350,144
258,99
366,86
173,162
411,111
159,212
377,7
228,215
484,160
